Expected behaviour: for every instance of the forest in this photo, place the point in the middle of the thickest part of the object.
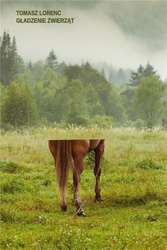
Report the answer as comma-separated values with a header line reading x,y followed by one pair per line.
x,y
52,93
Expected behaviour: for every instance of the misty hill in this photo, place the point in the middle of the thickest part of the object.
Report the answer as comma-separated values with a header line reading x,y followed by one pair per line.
x,y
147,20
143,19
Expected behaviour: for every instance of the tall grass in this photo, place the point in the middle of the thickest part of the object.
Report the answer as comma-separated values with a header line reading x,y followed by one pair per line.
x,y
133,183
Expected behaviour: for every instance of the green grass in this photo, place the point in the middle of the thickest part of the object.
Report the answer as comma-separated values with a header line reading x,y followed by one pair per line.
x,y
133,182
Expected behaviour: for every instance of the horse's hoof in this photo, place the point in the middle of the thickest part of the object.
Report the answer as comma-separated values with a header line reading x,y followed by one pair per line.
x,y
81,214
99,199
64,208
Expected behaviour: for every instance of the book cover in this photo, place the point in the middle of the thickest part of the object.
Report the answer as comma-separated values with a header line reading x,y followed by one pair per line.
x,y
90,78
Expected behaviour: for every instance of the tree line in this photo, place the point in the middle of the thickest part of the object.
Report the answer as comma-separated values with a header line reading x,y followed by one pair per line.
x,y
52,93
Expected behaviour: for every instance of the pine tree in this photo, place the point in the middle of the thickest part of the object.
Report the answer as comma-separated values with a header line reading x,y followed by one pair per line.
x,y
5,51
51,61
120,76
13,56
148,71
10,61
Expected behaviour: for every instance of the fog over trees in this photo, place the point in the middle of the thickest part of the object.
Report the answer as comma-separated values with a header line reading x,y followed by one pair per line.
x,y
55,94
93,71
114,35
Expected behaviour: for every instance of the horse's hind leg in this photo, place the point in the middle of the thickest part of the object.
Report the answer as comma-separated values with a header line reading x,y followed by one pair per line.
x,y
78,162
97,170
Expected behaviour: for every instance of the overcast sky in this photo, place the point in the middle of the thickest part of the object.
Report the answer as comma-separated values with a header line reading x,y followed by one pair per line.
x,y
92,37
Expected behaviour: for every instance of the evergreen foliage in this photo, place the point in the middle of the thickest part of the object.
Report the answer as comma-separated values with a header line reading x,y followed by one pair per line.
x,y
136,76
47,93
51,61
135,80
11,63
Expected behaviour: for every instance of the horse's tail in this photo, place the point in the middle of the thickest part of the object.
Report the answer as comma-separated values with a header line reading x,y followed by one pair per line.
x,y
63,163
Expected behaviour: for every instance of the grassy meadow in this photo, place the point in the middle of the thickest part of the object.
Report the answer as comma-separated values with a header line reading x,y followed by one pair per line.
x,y
133,183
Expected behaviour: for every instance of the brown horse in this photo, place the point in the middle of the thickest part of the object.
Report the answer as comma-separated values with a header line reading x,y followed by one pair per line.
x,y
71,153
